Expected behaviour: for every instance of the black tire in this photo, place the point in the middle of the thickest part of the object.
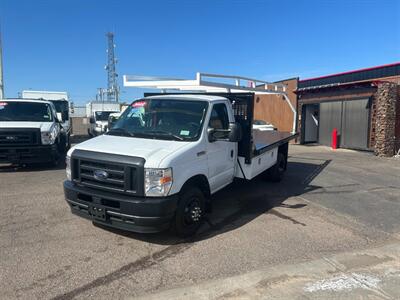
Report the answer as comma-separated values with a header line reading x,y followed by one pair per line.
x,y
276,172
56,159
190,212
68,142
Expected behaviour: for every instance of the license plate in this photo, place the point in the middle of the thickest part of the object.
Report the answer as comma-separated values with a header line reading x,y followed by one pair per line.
x,y
98,212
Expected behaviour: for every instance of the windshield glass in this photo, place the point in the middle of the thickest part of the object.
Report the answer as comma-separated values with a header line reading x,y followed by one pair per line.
x,y
103,115
25,111
162,119
62,107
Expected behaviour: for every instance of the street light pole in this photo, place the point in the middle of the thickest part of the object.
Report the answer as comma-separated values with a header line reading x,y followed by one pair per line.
x,y
1,70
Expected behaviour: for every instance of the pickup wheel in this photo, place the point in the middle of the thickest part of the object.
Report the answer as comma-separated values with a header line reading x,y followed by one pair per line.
x,y
190,212
276,172
68,146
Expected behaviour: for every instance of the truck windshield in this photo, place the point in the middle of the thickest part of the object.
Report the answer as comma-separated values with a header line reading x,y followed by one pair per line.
x,y
103,115
25,111
162,119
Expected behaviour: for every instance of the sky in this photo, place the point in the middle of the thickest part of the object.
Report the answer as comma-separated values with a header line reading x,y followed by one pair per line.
x,y
60,45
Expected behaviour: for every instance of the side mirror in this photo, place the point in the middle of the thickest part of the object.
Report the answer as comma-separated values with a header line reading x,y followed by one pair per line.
x,y
91,120
210,134
235,132
59,117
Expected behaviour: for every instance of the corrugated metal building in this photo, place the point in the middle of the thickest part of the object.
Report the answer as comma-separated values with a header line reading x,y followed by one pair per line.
x,y
363,105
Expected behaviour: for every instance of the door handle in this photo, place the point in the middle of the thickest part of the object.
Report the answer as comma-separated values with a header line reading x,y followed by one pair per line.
x,y
201,153
231,153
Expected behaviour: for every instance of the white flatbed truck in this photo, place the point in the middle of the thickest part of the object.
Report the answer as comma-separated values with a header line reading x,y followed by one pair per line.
x,y
168,153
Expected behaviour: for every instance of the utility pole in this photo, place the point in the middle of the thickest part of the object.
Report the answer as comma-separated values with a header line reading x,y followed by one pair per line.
x,y
112,84
1,69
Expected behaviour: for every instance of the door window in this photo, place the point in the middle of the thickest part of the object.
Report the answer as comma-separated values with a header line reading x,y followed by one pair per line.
x,y
219,120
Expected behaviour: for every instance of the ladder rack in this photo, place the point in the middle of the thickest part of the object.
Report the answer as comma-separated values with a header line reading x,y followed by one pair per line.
x,y
212,83
206,82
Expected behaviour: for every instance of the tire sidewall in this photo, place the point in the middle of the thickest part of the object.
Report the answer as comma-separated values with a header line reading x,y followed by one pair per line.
x,y
187,196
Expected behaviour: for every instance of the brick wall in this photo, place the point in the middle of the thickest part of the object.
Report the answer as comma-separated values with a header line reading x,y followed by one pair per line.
x,y
385,122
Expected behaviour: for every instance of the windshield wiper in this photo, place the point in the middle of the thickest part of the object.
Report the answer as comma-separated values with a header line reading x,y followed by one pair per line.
x,y
166,133
120,131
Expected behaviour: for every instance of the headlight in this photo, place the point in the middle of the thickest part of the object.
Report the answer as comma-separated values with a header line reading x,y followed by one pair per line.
x,y
158,182
68,167
49,137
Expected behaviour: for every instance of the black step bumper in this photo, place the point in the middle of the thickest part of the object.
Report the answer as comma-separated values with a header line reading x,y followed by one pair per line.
x,y
137,214
27,154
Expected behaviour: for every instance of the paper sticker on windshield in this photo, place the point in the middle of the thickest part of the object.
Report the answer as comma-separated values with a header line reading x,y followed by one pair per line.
x,y
3,104
185,132
139,104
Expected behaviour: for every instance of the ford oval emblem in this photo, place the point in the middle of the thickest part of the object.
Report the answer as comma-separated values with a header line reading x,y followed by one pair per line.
x,y
100,175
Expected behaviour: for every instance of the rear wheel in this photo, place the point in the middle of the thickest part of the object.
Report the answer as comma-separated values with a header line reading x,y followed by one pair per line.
x,y
190,212
276,172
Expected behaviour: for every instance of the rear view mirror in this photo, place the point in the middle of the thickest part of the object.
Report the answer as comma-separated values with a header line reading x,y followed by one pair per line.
x,y
235,132
91,120
59,117
210,133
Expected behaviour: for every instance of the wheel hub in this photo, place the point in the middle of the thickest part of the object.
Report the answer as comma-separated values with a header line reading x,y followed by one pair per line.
x,y
196,213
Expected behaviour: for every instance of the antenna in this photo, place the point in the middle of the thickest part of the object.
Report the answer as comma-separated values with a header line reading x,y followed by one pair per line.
x,y
112,84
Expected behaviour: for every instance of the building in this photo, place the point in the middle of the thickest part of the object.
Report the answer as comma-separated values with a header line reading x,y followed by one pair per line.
x,y
363,105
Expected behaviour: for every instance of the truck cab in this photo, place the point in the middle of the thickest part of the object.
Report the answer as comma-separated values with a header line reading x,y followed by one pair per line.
x,y
63,108
30,132
98,112
98,122
164,158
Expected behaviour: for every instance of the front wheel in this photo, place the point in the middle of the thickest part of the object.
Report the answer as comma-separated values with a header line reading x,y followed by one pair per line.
x,y
68,146
190,212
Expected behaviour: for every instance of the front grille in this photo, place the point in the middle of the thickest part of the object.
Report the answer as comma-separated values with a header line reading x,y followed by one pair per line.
x,y
19,137
122,174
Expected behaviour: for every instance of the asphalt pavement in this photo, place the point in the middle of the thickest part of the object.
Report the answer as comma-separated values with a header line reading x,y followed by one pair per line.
x,y
330,203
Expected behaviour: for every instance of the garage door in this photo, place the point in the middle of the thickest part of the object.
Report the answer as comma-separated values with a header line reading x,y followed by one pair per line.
x,y
350,118
329,118
355,124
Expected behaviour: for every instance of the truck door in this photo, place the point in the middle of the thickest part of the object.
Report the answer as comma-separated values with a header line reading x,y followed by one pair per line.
x,y
221,154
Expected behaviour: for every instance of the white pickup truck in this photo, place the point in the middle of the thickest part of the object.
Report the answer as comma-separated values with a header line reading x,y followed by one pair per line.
x,y
30,132
63,108
164,158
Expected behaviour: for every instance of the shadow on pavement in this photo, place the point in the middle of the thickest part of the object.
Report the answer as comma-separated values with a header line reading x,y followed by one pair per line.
x,y
243,201
4,168
36,167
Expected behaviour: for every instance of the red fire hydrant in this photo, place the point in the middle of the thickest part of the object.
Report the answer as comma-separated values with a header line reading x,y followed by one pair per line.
x,y
334,138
